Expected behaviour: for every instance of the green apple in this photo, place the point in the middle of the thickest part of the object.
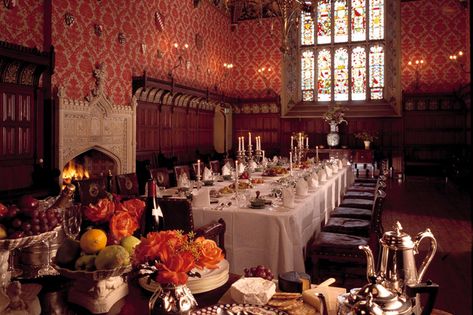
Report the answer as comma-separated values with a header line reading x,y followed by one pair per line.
x,y
129,243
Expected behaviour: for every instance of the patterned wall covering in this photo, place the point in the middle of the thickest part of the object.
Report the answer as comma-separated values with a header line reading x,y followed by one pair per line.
x,y
23,24
433,30
79,48
255,45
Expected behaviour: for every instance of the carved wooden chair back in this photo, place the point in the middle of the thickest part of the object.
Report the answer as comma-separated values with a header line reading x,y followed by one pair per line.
x,y
177,214
128,184
161,176
91,190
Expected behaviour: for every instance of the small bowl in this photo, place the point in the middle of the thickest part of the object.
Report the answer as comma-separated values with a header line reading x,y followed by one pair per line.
x,y
208,182
227,177
258,203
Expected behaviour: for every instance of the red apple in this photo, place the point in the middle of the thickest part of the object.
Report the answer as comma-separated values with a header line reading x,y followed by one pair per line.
x,y
28,203
3,211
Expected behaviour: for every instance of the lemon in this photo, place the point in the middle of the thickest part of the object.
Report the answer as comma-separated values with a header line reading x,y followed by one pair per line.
x,y
93,241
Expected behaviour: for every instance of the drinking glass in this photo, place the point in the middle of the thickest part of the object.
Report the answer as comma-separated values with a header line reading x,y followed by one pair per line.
x,y
72,221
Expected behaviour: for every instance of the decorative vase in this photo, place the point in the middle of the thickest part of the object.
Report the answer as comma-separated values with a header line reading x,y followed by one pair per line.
x,y
333,139
367,144
172,299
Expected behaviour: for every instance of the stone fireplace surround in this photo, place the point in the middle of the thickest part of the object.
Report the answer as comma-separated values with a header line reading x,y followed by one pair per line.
x,y
96,123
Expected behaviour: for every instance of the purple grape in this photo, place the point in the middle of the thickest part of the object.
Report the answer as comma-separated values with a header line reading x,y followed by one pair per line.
x,y
26,226
16,223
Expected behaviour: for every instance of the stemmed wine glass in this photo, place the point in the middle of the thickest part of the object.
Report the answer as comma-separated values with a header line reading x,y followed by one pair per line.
x,y
72,221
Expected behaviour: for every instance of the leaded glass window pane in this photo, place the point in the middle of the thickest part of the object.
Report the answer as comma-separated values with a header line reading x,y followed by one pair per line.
x,y
358,73
324,24
324,75
341,74
307,29
358,20
341,21
308,79
376,19
376,72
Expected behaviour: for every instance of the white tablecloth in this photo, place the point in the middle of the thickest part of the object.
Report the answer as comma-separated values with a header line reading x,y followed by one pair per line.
x,y
275,236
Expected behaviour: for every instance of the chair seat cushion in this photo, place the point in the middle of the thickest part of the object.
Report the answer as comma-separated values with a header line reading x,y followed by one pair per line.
x,y
366,180
328,243
355,184
347,226
359,195
362,188
354,213
357,203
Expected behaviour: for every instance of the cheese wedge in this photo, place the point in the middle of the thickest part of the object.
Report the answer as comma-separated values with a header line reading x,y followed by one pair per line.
x,y
330,294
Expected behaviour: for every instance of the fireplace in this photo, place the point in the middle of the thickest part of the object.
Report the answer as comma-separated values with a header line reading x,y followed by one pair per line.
x,y
90,164
95,132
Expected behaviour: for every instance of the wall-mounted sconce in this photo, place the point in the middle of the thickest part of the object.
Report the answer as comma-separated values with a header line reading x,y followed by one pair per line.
x,y
418,64
69,19
458,58
265,73
9,4
98,30
121,38
181,53
227,67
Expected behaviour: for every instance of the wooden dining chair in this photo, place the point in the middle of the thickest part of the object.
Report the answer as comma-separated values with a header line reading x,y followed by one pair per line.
x,y
127,184
215,230
161,176
215,166
181,169
91,190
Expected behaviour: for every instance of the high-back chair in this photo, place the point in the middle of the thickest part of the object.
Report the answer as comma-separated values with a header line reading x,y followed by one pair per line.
x,y
181,169
91,190
215,166
127,185
161,176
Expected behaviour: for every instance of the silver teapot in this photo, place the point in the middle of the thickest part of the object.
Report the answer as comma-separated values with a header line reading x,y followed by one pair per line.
x,y
398,267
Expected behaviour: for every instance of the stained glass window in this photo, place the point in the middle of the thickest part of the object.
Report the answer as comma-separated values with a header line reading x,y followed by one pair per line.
x,y
324,24
324,75
341,74
376,19
376,72
358,20
341,21
358,73
346,38
307,29
307,79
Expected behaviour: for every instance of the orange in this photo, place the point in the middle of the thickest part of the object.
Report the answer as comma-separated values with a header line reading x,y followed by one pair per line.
x,y
93,241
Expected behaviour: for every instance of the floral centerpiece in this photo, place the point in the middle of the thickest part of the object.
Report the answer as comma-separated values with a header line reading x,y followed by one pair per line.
x,y
365,136
335,114
171,256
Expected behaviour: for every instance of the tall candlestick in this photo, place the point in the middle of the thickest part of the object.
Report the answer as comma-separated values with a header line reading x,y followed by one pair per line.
x,y
259,142
317,152
263,155
239,143
249,139
236,175
290,161
198,169
292,142
307,142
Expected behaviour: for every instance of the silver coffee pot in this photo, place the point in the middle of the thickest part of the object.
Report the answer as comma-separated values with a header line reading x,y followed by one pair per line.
x,y
398,267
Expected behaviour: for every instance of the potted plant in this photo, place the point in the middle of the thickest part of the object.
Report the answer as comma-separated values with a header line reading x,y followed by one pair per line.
x,y
366,137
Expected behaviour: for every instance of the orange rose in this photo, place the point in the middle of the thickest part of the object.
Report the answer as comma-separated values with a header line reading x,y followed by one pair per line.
x,y
100,212
175,268
210,254
135,207
121,225
157,245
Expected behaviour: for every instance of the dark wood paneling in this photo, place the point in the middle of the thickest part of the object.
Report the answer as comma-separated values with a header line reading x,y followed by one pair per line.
x,y
175,131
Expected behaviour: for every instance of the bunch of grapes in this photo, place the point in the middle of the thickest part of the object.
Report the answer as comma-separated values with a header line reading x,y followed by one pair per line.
x,y
21,221
259,271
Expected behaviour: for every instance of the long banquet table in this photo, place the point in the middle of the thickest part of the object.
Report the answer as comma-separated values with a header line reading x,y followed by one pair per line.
x,y
274,236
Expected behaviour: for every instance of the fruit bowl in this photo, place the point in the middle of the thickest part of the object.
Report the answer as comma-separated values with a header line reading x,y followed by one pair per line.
x,y
14,243
96,275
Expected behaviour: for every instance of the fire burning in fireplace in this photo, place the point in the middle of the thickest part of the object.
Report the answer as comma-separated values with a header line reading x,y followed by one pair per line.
x,y
74,171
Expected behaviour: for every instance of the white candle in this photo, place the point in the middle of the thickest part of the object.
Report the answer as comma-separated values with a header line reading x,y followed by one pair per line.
x,y
290,161
263,155
198,169
259,143
292,142
239,144
307,142
243,143
317,152
249,139
236,175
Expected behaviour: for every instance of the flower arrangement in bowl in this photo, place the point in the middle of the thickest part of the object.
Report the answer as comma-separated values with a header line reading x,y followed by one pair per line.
x,y
335,114
171,257
365,136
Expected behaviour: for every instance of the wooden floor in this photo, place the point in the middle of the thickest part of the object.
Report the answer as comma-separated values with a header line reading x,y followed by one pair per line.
x,y
423,202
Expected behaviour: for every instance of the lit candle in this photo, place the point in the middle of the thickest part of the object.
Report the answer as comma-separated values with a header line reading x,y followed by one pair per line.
x,y
317,152
307,142
198,169
292,142
243,143
259,143
249,140
239,144
290,161
236,175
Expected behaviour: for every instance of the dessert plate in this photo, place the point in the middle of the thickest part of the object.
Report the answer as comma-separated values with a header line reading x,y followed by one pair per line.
x,y
239,309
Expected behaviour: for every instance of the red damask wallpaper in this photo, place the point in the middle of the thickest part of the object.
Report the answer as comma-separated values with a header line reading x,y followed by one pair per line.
x,y
256,45
432,31
79,48
23,24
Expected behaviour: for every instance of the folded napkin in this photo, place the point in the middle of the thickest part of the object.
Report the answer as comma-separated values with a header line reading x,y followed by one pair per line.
x,y
345,162
264,162
207,174
340,164
310,160
201,198
252,165
302,188
322,175
313,181
335,168
241,168
183,181
288,197
328,170
275,159
226,169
